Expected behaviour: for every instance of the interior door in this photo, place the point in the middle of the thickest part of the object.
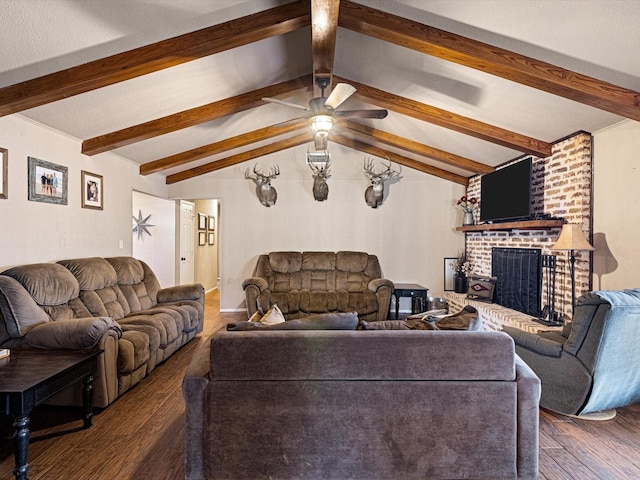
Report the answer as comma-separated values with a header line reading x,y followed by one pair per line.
x,y
187,213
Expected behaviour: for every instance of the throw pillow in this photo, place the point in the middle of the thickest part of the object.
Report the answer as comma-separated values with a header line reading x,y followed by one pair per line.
x,y
322,321
273,316
481,288
256,317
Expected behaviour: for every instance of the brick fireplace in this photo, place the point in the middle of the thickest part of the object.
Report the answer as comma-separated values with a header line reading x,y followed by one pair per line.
x,y
561,187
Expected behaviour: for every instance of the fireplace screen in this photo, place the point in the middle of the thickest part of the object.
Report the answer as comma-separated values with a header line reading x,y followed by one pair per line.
x,y
519,273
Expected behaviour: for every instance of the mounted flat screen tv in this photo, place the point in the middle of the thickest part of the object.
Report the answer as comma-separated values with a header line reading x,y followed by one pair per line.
x,y
505,194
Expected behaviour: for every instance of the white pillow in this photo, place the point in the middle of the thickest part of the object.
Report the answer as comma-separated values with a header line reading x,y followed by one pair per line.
x,y
256,316
273,316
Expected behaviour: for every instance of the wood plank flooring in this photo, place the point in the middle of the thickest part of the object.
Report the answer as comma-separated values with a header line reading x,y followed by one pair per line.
x,y
141,435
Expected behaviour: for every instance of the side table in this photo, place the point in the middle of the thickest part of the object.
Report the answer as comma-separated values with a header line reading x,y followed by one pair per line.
x,y
29,377
413,290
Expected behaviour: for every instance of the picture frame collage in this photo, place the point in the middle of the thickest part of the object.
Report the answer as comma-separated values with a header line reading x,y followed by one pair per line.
x,y
48,182
206,230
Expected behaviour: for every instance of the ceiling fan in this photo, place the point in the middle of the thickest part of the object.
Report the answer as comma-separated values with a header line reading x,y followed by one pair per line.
x,y
322,110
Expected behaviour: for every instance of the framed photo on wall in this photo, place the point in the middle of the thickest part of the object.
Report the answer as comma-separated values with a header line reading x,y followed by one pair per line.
x,y
449,274
202,221
212,238
48,182
4,167
92,194
212,223
202,238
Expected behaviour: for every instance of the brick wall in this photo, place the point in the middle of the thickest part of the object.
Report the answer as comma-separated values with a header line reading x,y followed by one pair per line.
x,y
561,187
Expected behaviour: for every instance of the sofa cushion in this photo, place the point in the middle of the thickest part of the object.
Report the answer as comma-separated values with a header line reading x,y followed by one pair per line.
x,y
128,269
273,316
351,261
20,311
47,283
481,288
91,273
285,262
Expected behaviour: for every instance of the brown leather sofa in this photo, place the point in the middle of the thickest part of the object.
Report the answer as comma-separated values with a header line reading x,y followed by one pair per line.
x,y
114,304
383,404
308,283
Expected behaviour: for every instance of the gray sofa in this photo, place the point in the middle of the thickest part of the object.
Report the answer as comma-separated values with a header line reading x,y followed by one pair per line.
x,y
593,364
309,283
114,304
382,404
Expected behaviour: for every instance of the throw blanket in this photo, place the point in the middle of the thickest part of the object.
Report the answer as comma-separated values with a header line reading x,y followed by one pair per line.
x,y
465,319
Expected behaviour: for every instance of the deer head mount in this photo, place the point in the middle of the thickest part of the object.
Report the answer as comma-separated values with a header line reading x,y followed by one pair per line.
x,y
265,192
319,162
374,193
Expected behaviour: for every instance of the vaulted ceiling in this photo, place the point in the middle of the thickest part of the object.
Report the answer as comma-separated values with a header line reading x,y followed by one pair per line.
x,y
178,87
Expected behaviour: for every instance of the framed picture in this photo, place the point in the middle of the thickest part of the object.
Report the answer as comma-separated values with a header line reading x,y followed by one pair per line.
x,y
449,273
202,238
4,166
212,237
48,182
202,222
212,223
91,190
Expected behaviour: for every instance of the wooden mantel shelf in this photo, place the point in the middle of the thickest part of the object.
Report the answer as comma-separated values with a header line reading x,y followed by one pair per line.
x,y
521,225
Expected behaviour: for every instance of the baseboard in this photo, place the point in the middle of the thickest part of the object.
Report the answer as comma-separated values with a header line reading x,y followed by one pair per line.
x,y
232,310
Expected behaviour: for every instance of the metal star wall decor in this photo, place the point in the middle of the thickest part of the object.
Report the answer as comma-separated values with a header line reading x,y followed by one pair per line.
x,y
141,225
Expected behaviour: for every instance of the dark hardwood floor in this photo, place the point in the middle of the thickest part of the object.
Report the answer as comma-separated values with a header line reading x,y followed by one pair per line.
x,y
141,435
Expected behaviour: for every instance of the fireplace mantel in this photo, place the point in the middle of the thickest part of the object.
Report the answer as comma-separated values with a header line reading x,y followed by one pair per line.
x,y
521,225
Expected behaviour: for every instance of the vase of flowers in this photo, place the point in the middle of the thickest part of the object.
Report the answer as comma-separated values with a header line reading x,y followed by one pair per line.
x,y
462,266
468,205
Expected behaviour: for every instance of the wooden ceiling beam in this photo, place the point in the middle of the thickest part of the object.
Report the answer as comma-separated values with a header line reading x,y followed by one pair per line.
x,y
490,59
419,148
450,120
324,27
240,157
194,116
157,56
402,160
183,158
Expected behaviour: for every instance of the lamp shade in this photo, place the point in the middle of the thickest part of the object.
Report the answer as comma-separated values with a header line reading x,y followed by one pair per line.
x,y
321,124
572,238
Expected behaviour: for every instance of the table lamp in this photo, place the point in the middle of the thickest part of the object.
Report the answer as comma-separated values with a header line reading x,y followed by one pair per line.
x,y
571,238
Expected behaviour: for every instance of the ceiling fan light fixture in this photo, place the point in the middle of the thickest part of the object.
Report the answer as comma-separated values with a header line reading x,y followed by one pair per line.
x,y
322,124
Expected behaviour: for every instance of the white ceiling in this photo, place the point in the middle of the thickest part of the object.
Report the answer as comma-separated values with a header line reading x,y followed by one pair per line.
x,y
599,38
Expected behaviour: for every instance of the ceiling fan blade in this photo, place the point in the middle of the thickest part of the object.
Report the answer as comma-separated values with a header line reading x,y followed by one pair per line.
x,y
282,102
381,113
320,142
340,93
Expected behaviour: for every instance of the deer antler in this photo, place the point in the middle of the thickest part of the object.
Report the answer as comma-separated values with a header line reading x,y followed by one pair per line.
x,y
368,168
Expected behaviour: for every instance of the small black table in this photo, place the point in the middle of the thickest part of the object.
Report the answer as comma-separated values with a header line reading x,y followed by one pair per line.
x,y
29,377
412,290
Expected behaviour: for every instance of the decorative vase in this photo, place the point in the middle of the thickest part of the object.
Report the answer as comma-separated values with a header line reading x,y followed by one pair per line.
x,y
460,284
468,219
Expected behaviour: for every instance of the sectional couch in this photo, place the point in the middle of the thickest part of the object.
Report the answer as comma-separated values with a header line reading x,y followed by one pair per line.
x,y
310,283
327,401
114,304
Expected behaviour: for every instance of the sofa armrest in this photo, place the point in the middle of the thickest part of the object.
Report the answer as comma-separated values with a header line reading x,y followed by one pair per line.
x,y
253,287
181,292
257,282
533,342
76,333
194,385
528,387
378,283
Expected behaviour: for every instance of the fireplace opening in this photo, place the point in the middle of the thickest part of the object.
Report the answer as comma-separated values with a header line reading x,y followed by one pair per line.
x,y
519,274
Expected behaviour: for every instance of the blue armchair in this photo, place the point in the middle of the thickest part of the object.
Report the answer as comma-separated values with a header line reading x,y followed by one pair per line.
x,y
593,365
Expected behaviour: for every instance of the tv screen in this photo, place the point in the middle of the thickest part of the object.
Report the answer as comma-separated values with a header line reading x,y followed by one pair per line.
x,y
505,194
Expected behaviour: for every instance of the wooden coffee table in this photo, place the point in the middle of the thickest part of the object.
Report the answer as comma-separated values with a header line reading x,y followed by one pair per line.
x,y
29,377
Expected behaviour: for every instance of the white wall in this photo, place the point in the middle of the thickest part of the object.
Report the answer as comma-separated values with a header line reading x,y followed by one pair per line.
x,y
41,232
411,232
158,248
616,215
